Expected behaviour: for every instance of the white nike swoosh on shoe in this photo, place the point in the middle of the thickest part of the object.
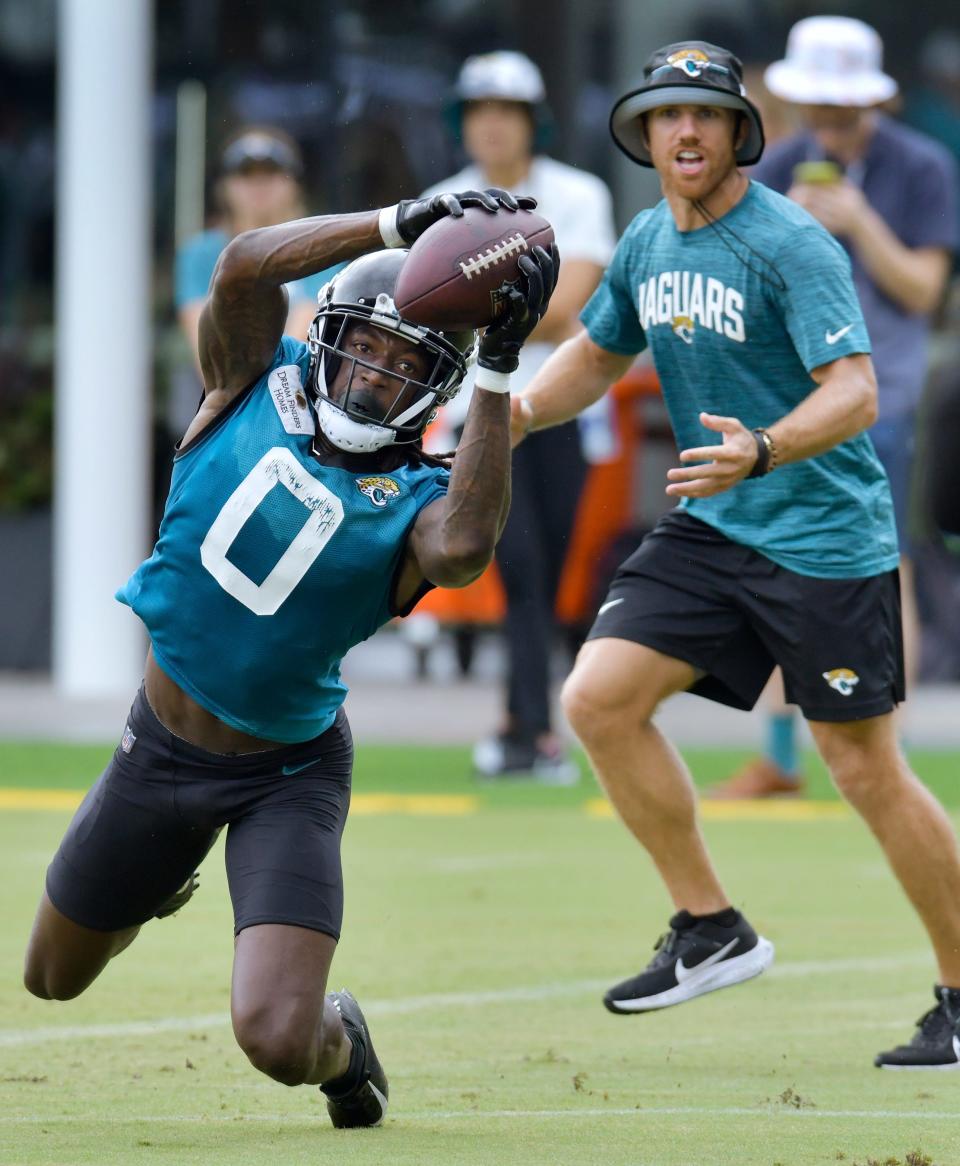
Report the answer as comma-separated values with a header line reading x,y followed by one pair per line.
x,y
833,337
682,972
610,603
383,1101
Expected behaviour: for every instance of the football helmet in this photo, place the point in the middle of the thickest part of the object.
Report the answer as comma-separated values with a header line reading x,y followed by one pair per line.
x,y
362,293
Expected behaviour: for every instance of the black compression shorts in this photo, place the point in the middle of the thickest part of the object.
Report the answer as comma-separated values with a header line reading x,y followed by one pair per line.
x,y
153,815
690,593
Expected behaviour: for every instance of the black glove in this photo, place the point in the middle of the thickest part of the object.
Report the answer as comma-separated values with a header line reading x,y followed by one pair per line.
x,y
526,304
415,215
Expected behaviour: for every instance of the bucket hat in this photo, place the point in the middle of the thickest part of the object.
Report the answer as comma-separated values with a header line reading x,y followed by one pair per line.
x,y
687,73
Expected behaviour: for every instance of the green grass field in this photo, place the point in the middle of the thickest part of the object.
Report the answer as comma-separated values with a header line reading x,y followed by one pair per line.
x,y
482,927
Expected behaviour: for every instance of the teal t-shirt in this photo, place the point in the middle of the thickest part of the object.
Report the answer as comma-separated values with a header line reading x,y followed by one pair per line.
x,y
197,258
271,565
736,316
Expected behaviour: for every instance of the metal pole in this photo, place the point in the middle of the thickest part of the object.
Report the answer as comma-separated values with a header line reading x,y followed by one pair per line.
x,y
103,352
191,159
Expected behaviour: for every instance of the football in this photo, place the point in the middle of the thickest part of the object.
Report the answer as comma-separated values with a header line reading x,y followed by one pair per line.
x,y
453,276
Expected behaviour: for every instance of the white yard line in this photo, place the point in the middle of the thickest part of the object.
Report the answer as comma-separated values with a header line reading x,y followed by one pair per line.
x,y
289,1119
20,1037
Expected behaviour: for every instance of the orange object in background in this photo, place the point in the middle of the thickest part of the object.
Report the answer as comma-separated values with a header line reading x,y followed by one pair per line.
x,y
603,513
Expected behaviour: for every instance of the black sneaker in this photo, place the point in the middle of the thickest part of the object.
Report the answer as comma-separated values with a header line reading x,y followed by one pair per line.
x,y
936,1043
695,956
181,897
365,1103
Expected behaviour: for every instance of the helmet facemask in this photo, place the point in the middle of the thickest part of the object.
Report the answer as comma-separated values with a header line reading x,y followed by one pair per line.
x,y
351,416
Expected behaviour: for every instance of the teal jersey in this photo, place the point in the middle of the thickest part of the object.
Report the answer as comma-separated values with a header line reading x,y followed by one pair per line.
x,y
736,316
196,259
270,566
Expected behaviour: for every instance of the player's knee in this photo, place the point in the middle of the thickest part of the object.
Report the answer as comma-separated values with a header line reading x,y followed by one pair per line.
x,y
284,1051
48,982
590,708
860,769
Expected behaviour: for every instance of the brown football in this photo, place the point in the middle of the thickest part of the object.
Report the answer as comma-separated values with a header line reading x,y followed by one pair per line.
x,y
453,276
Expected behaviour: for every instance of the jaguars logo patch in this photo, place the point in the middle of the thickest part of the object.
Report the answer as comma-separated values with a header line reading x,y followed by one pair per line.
x,y
689,61
842,680
683,327
379,490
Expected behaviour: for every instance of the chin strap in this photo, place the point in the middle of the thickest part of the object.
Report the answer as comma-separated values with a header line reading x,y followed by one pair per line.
x,y
349,435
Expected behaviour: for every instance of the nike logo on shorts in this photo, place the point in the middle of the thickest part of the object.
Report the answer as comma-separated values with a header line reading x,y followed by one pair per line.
x,y
610,603
833,337
290,770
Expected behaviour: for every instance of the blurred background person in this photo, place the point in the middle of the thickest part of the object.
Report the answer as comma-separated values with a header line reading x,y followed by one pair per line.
x,y
260,184
889,195
500,115
933,104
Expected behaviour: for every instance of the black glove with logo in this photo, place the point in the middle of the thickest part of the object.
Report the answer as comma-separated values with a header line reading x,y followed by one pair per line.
x,y
526,305
412,216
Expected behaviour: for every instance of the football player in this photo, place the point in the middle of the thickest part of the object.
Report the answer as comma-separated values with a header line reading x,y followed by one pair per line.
x,y
302,516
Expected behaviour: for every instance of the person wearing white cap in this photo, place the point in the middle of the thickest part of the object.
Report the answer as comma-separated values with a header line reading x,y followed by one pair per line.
x,y
889,195
783,548
499,113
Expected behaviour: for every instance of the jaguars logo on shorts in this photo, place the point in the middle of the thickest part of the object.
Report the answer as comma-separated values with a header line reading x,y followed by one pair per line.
x,y
378,490
843,680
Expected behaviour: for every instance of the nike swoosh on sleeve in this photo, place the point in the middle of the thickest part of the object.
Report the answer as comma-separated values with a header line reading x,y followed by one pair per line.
x,y
610,603
833,337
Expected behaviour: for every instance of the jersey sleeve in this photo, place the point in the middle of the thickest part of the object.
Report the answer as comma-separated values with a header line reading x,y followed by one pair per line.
x,y
430,486
611,315
818,299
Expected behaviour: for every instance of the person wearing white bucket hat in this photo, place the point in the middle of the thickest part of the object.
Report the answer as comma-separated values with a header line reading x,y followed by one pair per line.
x,y
832,60
889,195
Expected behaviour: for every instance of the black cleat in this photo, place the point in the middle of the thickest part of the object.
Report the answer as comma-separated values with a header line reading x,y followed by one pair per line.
x,y
179,898
695,956
365,1104
936,1043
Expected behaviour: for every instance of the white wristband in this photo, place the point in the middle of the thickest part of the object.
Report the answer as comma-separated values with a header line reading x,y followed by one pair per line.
x,y
493,382
388,227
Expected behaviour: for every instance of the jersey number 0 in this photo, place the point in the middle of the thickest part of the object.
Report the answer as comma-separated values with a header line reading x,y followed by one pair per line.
x,y
277,467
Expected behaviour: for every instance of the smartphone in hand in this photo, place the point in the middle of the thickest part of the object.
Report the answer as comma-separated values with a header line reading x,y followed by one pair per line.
x,y
820,173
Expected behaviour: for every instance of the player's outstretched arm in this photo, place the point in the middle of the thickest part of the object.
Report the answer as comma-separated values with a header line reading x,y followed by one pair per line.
x,y
454,538
244,315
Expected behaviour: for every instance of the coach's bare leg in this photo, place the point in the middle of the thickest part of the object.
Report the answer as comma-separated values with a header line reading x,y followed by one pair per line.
x,y
866,763
63,958
281,1017
609,699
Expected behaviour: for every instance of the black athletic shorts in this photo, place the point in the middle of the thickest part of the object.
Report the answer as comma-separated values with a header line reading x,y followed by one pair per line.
x,y
691,593
153,815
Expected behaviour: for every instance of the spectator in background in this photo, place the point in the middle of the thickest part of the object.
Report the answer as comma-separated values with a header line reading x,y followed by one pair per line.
x,y
934,105
889,195
259,185
499,113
